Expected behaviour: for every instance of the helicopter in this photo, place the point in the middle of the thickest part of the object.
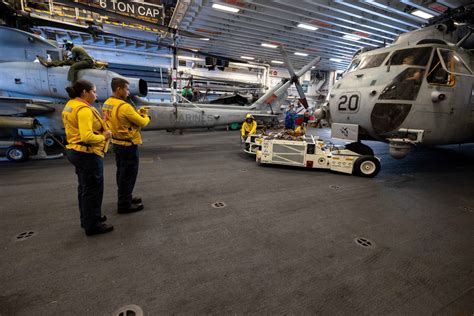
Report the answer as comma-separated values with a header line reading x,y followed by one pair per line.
x,y
32,96
417,91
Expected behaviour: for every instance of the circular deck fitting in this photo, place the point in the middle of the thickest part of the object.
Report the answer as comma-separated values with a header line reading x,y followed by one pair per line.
x,y
24,235
335,187
468,209
218,205
364,242
129,310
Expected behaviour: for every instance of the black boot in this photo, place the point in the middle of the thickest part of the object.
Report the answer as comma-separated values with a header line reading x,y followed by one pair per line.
x,y
136,200
131,209
43,61
100,229
102,219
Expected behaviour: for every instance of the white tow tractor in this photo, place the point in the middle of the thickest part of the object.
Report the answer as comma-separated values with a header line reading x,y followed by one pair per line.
x,y
312,152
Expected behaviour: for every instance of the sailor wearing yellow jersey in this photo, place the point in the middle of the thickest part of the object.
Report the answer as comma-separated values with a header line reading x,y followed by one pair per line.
x,y
87,137
125,123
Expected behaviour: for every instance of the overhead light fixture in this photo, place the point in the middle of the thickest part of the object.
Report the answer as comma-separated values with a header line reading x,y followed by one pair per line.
x,y
351,37
195,50
204,39
422,14
301,54
277,62
247,57
225,8
307,27
269,45
313,67
337,60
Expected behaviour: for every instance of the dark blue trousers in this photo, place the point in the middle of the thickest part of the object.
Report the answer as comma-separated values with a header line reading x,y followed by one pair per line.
x,y
90,191
127,160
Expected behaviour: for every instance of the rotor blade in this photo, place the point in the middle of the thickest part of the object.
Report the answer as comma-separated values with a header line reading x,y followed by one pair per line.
x,y
302,99
303,70
288,64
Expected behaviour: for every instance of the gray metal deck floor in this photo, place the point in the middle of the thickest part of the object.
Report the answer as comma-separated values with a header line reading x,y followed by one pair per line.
x,y
283,244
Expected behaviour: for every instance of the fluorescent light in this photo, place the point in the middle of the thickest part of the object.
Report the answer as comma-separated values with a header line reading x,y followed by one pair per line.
x,y
307,27
204,39
247,57
337,60
225,8
269,45
277,62
194,50
352,37
422,14
301,54
313,67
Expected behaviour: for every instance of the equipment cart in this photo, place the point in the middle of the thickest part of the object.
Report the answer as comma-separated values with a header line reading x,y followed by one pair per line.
x,y
312,152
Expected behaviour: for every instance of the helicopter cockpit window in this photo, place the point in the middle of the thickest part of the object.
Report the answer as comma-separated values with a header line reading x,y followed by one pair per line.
x,y
353,66
454,63
444,66
405,86
412,56
372,61
437,75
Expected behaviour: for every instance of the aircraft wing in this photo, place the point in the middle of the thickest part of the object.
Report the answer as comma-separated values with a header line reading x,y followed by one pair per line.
x,y
10,106
264,115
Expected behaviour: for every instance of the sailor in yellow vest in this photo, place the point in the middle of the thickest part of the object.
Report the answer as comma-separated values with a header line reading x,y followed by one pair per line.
x,y
300,129
87,137
249,127
125,123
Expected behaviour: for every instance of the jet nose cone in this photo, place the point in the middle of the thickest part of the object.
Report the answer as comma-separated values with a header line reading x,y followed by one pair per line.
x,y
387,117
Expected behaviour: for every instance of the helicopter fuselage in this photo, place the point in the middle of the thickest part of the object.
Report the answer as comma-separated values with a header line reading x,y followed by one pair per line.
x,y
422,94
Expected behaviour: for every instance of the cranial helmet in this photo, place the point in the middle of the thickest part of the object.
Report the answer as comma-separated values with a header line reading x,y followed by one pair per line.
x,y
68,44
249,116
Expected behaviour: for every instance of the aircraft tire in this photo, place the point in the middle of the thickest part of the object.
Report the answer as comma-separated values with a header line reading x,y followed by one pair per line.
x,y
366,166
17,154
360,148
49,142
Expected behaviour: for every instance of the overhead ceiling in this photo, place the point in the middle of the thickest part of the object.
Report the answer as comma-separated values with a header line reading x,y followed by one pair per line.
x,y
332,29
343,27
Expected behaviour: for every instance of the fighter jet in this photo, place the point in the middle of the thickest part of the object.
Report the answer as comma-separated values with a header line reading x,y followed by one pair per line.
x,y
418,91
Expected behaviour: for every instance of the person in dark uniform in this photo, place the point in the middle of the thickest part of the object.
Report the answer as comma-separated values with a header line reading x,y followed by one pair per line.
x,y
78,59
81,60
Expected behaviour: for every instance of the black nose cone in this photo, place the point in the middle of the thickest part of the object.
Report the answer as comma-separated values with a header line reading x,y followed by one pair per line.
x,y
386,117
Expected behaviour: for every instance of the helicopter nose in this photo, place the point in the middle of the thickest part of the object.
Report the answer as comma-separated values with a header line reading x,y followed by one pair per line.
x,y
387,117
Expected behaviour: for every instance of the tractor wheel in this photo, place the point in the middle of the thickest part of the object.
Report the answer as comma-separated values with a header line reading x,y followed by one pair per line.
x,y
367,166
17,153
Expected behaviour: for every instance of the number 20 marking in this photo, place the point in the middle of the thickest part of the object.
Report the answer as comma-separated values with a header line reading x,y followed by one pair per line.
x,y
348,103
